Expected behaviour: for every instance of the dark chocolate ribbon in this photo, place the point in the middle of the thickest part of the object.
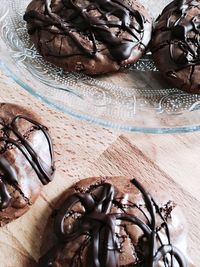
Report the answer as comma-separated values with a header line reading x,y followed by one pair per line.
x,y
8,173
184,48
97,28
99,224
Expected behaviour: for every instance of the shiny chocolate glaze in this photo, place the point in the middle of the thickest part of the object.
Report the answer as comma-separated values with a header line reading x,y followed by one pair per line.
x,y
184,38
97,28
11,137
98,224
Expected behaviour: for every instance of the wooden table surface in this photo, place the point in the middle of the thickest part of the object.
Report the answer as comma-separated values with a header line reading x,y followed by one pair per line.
x,y
83,150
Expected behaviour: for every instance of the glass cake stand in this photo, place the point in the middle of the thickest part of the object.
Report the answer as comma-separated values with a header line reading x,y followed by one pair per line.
x,y
134,99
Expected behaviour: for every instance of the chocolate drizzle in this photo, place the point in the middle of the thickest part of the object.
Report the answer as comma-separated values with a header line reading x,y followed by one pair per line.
x,y
184,40
98,224
80,20
11,137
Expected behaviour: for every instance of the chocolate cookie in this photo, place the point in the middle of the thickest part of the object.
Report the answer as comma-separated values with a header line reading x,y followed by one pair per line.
x,y
93,37
26,160
176,44
114,222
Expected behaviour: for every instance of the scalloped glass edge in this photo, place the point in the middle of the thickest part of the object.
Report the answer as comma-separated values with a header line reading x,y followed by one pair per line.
x,y
93,120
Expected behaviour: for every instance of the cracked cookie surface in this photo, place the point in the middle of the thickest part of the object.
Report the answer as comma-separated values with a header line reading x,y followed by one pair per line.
x,y
93,37
26,160
176,44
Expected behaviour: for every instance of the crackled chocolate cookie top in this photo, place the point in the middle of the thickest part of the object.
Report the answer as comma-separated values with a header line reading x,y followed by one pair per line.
x,y
26,160
93,36
115,222
176,44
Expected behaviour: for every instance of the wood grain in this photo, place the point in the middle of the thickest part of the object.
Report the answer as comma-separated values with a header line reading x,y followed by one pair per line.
x,y
82,150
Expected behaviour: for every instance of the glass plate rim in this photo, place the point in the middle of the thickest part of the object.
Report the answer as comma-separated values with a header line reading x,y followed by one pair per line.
x,y
91,119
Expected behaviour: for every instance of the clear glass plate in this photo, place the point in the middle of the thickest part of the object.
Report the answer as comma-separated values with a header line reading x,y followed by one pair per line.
x,y
134,99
